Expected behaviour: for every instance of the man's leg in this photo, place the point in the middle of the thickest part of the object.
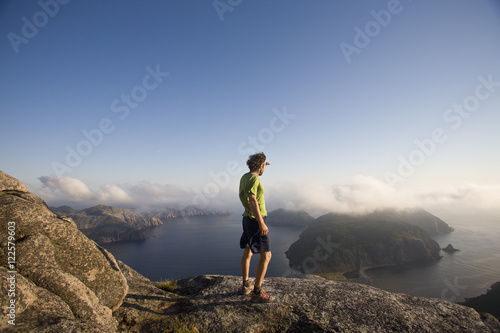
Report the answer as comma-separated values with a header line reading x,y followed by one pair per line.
x,y
265,257
245,263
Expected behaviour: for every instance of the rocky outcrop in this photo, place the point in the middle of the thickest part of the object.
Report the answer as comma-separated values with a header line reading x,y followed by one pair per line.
x,y
450,249
61,277
212,304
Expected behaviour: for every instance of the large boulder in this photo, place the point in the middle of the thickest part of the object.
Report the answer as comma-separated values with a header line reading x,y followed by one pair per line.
x,y
62,277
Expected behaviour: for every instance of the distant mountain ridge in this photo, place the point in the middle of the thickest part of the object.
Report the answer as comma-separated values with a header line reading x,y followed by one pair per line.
x,y
105,224
164,214
288,218
432,224
92,217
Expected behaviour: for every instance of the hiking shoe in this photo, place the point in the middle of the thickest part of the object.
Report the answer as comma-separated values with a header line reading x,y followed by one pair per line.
x,y
246,290
261,297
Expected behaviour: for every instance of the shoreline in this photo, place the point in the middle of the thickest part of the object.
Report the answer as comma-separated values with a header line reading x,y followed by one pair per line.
x,y
363,276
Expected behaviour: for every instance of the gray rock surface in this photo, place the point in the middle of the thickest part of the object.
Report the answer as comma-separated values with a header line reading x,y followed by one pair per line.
x,y
212,304
61,274
8,183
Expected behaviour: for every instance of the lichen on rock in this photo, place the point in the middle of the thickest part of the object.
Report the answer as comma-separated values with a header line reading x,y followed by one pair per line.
x,y
54,256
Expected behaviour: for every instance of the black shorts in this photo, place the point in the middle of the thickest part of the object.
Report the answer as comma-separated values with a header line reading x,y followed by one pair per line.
x,y
252,238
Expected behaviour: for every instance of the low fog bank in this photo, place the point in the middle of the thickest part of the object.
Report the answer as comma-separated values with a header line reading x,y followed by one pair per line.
x,y
360,196
366,194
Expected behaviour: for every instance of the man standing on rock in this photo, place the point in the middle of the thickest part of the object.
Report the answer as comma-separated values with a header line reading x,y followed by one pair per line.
x,y
255,237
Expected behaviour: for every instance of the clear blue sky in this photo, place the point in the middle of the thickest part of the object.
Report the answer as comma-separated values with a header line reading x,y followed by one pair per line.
x,y
334,92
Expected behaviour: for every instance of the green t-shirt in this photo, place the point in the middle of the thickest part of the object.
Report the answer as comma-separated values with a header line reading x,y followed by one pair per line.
x,y
250,184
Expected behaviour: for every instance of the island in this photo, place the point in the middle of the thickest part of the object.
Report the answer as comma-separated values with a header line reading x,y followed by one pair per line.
x,y
343,246
450,249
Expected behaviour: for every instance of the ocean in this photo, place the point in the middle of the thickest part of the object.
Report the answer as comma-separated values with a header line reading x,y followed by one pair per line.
x,y
459,275
186,247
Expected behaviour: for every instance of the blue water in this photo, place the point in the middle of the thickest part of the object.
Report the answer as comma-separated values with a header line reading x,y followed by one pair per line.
x,y
463,274
182,248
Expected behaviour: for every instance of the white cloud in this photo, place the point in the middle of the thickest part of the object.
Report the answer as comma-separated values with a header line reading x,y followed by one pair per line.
x,y
110,194
66,187
462,198
367,194
362,194
155,194
60,190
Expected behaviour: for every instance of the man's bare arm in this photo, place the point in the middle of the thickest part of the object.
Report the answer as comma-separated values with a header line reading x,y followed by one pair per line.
x,y
254,207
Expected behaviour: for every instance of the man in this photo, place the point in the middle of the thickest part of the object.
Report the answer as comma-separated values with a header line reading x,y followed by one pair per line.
x,y
255,237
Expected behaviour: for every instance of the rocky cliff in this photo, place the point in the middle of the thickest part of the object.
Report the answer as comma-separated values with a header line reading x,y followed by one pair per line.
x,y
58,279
94,216
61,281
106,224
